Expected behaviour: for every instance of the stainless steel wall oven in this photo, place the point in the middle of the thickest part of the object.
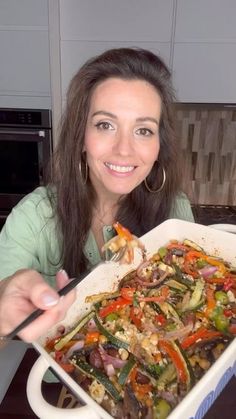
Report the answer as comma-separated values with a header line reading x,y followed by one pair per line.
x,y
25,149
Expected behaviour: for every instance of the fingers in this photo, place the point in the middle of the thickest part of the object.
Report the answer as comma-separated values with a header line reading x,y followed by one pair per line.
x,y
48,319
62,279
36,290
25,291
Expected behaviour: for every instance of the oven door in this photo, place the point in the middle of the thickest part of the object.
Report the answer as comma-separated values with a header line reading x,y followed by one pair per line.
x,y
24,155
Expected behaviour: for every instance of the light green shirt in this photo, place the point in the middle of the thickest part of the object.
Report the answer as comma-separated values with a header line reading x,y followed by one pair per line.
x,y
30,237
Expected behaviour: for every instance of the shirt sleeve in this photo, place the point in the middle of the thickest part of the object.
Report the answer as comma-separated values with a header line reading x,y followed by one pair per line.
x,y
20,236
18,241
182,209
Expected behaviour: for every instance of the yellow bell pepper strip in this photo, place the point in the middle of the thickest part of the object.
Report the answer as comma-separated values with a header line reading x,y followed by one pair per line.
x,y
201,333
217,263
192,255
122,231
114,306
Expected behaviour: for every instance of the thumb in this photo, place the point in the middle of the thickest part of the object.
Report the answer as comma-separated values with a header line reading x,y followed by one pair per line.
x,y
44,298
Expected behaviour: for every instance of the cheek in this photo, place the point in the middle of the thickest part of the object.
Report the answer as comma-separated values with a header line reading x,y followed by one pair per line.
x,y
151,153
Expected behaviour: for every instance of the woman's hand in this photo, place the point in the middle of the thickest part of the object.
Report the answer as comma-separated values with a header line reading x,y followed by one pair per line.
x,y
26,291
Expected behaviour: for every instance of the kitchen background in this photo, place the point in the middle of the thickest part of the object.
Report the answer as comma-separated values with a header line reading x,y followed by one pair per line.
x,y
44,42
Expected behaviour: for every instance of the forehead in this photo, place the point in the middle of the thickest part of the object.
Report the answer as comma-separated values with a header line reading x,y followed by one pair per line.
x,y
117,91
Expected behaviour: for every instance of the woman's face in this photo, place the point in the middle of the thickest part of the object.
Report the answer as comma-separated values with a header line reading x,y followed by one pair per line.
x,y
122,134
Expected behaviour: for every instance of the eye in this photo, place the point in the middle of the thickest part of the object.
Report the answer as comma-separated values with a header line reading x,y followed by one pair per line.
x,y
146,132
103,125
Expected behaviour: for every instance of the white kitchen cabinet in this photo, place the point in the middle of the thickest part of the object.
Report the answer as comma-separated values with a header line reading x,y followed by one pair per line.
x,y
24,51
74,54
205,21
204,51
23,12
205,72
112,20
89,28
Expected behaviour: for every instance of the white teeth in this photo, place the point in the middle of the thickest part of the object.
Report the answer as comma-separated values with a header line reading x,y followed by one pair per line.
x,y
121,169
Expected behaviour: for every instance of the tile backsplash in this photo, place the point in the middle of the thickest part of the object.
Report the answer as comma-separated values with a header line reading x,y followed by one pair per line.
x,y
207,133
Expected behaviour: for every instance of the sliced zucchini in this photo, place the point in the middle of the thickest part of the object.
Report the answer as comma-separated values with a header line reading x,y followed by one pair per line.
x,y
192,244
111,338
94,372
68,336
124,373
167,376
169,311
176,285
196,299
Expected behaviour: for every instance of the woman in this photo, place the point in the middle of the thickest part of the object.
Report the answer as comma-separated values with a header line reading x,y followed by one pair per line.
x,y
117,159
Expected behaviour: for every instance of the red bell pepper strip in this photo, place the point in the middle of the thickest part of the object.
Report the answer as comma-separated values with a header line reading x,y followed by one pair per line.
x,y
177,245
160,319
201,333
114,307
211,302
136,315
92,337
229,282
127,293
232,329
176,358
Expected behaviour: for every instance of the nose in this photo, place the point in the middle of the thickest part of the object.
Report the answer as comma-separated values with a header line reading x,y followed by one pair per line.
x,y
124,143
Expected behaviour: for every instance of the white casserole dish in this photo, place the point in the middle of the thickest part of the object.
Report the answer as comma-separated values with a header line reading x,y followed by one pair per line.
x,y
105,278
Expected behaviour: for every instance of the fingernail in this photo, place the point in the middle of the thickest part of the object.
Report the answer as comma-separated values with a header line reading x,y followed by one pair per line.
x,y
49,300
63,272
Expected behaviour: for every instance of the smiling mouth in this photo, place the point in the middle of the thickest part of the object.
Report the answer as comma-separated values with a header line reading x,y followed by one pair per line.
x,y
120,169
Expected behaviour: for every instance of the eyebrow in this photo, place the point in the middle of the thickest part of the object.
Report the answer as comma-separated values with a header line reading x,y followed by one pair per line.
x,y
140,119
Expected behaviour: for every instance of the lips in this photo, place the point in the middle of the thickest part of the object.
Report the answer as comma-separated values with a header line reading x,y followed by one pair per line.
x,y
119,169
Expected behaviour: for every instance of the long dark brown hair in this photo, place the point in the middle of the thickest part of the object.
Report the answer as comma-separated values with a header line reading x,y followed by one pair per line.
x,y
140,210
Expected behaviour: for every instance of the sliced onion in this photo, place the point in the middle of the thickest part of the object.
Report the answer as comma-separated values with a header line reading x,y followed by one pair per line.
x,y
140,268
110,370
108,359
179,333
207,271
91,325
153,284
76,347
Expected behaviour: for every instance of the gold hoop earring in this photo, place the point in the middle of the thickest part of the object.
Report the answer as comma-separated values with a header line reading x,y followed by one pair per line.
x,y
84,177
162,185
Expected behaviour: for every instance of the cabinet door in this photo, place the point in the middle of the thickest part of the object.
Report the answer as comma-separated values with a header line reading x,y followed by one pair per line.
x,y
24,51
205,72
205,20
204,57
74,54
112,20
